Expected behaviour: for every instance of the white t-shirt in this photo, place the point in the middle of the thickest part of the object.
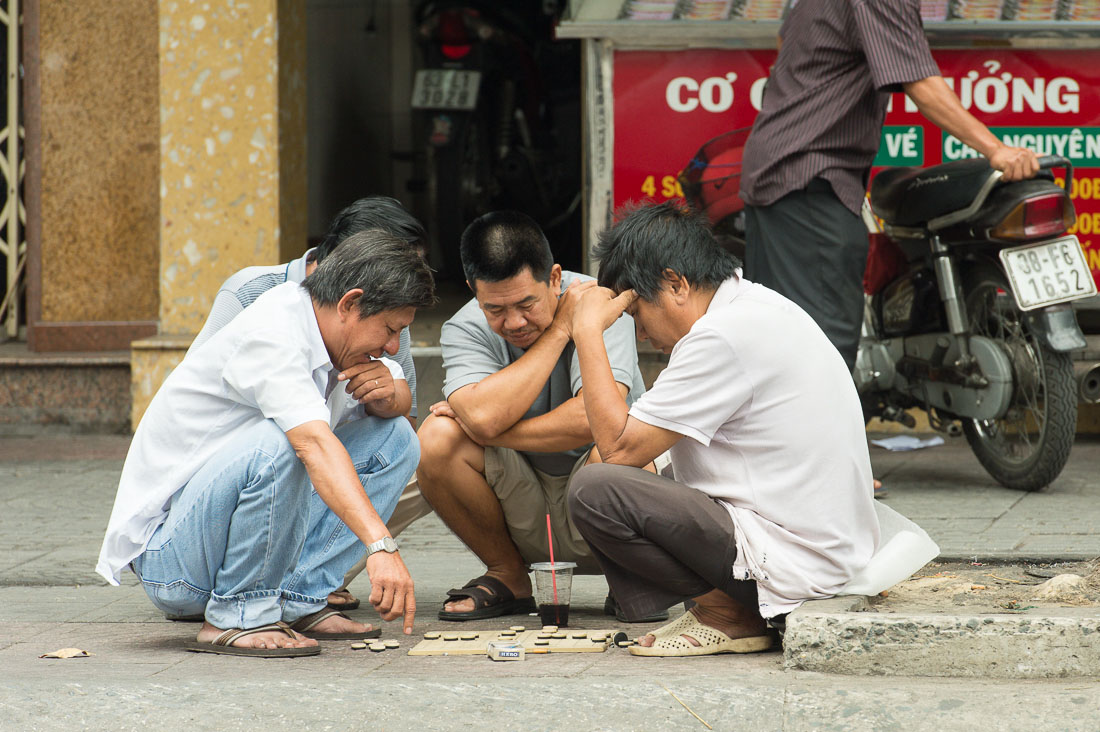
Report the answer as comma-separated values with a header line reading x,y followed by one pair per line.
x,y
776,434
268,363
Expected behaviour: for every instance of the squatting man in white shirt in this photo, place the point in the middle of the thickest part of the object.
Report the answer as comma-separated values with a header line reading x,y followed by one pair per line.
x,y
254,476
769,503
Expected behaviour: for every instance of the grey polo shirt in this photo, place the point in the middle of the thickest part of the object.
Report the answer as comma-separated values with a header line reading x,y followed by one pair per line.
x,y
827,95
242,289
472,351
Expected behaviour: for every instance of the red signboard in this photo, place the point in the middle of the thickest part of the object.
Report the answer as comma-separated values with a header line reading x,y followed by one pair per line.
x,y
668,103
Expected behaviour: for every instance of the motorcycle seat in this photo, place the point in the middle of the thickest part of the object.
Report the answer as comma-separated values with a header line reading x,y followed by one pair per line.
x,y
915,196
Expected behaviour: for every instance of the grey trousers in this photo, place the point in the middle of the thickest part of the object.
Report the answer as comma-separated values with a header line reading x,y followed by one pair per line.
x,y
659,542
810,248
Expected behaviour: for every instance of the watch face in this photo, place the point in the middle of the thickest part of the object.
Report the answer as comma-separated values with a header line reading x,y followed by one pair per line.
x,y
388,544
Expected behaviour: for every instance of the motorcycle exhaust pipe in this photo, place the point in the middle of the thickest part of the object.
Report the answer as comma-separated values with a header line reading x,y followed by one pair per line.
x,y
1088,381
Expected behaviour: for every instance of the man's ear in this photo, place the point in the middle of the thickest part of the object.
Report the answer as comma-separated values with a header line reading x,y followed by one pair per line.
x,y
349,303
677,284
555,277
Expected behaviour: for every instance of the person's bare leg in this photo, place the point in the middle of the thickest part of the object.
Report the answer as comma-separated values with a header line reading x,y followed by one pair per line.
x,y
718,610
340,597
337,624
452,479
267,639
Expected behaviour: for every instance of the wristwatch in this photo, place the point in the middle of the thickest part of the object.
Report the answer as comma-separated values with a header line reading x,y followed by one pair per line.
x,y
385,544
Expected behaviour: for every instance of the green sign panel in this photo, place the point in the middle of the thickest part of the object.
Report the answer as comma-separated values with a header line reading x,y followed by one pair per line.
x,y
1080,144
901,145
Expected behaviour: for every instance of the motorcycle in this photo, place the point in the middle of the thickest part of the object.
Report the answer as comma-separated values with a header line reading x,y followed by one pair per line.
x,y
490,95
968,312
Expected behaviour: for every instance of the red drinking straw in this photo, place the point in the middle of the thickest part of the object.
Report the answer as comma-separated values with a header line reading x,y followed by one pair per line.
x,y
553,572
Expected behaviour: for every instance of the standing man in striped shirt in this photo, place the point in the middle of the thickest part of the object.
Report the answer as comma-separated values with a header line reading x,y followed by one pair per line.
x,y
807,162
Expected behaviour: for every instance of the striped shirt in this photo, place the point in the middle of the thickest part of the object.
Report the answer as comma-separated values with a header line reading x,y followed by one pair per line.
x,y
826,98
242,289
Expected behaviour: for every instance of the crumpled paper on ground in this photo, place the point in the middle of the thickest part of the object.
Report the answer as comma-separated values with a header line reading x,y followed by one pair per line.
x,y
901,443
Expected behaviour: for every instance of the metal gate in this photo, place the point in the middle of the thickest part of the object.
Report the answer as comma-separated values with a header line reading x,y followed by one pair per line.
x,y
13,217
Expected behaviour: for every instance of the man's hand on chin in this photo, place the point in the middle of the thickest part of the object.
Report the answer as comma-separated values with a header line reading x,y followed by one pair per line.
x,y
370,381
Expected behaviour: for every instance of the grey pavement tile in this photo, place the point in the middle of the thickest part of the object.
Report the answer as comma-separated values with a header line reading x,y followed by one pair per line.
x,y
1061,545
948,501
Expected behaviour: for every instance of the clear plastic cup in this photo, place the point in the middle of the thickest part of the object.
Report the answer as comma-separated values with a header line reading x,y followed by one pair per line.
x,y
553,583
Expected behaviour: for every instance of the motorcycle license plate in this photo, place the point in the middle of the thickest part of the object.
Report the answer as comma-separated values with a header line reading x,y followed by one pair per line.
x,y
1048,273
445,89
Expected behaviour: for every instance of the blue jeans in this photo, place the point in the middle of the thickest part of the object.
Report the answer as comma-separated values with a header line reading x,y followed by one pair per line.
x,y
248,541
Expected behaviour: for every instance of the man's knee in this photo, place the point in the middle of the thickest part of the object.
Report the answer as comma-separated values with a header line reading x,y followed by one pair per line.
x,y
441,441
366,438
590,489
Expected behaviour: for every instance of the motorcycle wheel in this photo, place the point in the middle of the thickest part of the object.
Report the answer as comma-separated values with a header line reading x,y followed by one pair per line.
x,y
1026,448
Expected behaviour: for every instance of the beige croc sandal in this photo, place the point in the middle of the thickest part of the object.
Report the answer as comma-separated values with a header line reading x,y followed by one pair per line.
x,y
711,641
675,628
223,644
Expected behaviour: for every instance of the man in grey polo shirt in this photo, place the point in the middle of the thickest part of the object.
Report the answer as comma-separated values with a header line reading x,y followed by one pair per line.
x,y
497,456
366,383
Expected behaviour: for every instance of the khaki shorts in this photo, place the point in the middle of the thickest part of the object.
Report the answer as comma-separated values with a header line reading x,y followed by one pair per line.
x,y
526,495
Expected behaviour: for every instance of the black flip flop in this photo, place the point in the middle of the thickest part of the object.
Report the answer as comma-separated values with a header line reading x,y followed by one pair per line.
x,y
351,604
492,599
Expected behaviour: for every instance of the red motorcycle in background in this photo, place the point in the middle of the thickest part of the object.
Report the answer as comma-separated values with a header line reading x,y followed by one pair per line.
x,y
499,103
969,290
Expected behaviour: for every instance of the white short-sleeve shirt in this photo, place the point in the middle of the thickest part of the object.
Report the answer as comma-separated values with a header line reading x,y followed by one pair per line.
x,y
268,363
242,289
775,433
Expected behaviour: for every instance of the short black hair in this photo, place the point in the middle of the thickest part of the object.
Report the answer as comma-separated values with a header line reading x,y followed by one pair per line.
x,y
390,273
372,212
501,244
650,239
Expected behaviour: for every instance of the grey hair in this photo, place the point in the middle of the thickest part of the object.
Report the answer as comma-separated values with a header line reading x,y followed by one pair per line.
x,y
390,273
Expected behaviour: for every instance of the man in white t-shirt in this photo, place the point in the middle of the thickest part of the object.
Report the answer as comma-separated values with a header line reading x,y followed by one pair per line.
x,y
255,480
770,500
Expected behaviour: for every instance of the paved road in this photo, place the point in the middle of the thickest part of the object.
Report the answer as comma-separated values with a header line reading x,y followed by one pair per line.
x,y
55,496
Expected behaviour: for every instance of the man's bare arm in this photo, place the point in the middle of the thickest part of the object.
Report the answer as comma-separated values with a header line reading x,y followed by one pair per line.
x,y
333,476
561,429
941,107
620,438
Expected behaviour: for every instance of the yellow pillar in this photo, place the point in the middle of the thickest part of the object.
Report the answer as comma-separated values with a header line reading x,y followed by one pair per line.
x,y
232,161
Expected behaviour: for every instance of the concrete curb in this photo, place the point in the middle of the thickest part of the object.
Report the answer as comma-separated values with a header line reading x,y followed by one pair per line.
x,y
844,636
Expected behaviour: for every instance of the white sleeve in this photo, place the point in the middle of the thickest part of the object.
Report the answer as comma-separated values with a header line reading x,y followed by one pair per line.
x,y
701,389
265,373
396,371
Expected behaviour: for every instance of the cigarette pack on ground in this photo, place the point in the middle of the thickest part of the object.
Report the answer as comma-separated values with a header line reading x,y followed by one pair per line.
x,y
505,650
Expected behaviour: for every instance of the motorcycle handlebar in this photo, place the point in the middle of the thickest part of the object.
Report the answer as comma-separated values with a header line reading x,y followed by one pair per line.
x,y
1057,161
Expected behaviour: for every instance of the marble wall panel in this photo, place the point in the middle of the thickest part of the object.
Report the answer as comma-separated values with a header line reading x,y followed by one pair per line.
x,y
97,65
224,139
